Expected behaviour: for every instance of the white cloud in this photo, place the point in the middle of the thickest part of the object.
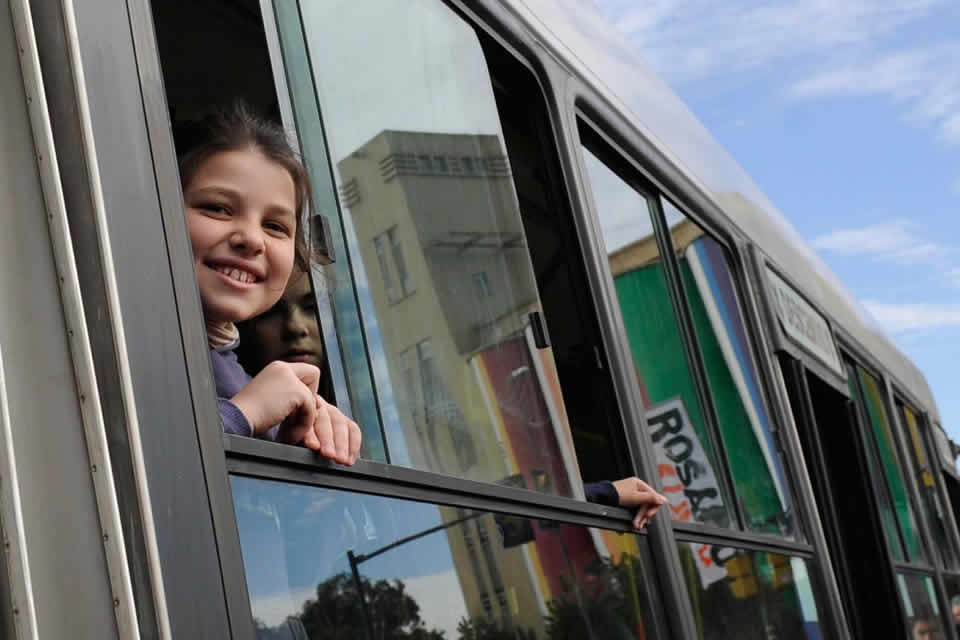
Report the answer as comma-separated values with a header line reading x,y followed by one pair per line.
x,y
894,240
925,80
689,38
900,318
816,48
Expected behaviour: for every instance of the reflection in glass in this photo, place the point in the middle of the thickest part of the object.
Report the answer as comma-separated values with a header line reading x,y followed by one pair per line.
x,y
945,544
758,474
749,594
436,245
685,454
890,467
951,584
919,598
332,564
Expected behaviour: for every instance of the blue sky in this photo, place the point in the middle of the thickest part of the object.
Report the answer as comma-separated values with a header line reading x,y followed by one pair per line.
x,y
847,115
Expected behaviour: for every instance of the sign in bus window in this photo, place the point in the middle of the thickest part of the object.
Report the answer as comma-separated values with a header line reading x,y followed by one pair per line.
x,y
323,563
686,458
745,424
436,265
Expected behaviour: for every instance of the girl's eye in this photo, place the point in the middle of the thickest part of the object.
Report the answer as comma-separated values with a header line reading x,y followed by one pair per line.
x,y
277,227
214,207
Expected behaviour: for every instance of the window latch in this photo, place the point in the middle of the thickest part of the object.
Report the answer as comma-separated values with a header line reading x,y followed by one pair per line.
x,y
539,328
321,240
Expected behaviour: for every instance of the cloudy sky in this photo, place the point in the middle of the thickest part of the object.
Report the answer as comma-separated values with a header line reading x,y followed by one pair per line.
x,y
847,115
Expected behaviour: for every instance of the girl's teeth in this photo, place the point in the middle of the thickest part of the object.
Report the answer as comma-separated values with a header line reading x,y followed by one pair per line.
x,y
237,274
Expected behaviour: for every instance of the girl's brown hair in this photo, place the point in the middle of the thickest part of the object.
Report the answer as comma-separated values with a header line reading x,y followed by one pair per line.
x,y
239,128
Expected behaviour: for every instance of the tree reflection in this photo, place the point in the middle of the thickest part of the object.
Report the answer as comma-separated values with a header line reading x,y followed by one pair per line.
x,y
335,613
603,604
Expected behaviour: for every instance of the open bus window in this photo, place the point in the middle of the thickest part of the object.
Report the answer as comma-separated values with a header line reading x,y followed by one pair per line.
x,y
381,567
690,468
446,227
755,463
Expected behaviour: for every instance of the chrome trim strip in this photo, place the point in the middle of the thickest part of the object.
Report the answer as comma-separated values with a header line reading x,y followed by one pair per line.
x,y
24,613
88,395
128,626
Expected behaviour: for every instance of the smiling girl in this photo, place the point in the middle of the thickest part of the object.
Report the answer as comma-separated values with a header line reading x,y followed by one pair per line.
x,y
244,191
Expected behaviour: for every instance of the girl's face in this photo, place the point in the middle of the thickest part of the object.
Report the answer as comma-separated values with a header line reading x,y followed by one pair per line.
x,y
241,212
289,330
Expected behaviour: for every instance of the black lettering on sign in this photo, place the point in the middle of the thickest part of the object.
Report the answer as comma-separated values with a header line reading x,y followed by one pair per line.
x,y
689,471
678,448
664,424
696,496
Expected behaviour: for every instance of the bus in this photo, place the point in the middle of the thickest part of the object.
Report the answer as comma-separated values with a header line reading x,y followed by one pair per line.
x,y
534,269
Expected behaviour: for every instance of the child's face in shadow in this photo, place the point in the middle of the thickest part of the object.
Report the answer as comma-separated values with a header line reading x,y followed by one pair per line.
x,y
241,215
288,331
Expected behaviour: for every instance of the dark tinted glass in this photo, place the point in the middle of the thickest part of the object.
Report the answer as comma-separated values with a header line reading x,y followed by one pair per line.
x,y
749,594
322,563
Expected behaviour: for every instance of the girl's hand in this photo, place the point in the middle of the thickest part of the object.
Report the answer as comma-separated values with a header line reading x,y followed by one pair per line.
x,y
334,435
634,492
284,392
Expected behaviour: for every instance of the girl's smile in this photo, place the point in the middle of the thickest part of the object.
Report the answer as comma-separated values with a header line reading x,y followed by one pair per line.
x,y
241,212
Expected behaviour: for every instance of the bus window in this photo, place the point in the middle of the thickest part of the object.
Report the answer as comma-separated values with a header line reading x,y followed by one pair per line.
x,y
899,520
755,463
945,544
750,594
381,567
680,434
920,604
436,257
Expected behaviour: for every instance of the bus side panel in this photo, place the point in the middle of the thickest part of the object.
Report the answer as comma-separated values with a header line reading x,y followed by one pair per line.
x,y
66,557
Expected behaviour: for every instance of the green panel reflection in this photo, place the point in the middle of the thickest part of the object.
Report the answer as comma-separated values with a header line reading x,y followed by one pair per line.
x,y
883,437
754,484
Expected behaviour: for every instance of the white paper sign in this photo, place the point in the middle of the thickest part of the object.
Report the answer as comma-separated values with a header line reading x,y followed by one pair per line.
x,y
804,324
688,481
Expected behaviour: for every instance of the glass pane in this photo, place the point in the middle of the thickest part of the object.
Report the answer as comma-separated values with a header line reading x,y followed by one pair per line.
x,y
919,599
685,451
944,542
322,563
749,594
436,250
890,463
952,584
887,518
758,472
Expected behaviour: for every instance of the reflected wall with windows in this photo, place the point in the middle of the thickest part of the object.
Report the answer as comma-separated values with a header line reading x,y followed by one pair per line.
x,y
436,264
323,563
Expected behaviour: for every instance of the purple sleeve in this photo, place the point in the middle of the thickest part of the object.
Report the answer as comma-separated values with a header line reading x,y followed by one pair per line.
x,y
602,493
233,419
